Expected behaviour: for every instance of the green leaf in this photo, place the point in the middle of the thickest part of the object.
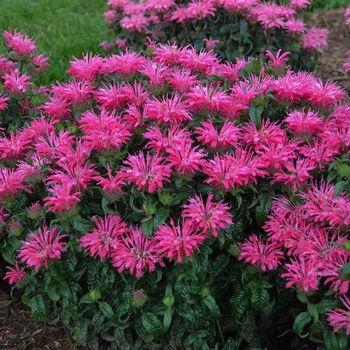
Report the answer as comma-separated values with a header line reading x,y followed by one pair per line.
x,y
71,261
299,323
194,336
239,303
107,310
104,203
260,298
345,272
152,324
263,209
80,224
38,307
167,318
107,336
343,341
330,340
86,299
147,227
211,304
80,331
220,264
313,312
230,344
160,217
326,304
98,320
339,187
343,169
255,113
52,293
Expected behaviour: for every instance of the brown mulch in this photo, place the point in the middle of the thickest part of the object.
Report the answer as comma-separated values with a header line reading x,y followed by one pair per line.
x,y
20,331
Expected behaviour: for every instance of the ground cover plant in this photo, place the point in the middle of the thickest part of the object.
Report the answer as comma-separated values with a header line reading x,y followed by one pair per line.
x,y
62,29
231,28
176,199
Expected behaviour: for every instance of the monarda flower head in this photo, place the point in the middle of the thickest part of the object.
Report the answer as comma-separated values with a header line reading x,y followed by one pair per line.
x,y
42,247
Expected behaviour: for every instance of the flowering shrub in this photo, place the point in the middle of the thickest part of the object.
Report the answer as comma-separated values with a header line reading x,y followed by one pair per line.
x,y
232,28
176,201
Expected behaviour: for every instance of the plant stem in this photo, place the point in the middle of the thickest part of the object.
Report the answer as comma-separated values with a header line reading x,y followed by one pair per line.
x,y
220,332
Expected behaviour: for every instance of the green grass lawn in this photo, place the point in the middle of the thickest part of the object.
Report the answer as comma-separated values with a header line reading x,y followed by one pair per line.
x,y
62,28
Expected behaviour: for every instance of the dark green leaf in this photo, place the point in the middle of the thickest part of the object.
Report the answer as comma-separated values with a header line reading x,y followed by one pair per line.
x,y
167,318
220,264
260,298
339,187
192,337
230,345
71,261
107,310
147,227
80,224
38,307
160,216
326,304
105,202
263,209
52,293
239,302
98,320
152,324
313,312
330,340
210,302
107,336
301,320
345,272
86,299
80,331
343,341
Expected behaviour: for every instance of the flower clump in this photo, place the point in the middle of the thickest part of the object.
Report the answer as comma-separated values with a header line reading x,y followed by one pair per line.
x,y
139,162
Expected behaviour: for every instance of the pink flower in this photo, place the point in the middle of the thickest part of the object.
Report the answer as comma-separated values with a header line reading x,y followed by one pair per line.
x,y
204,62
135,23
39,63
125,64
136,253
16,274
301,122
147,173
75,92
299,4
200,9
86,68
105,237
280,59
182,80
303,274
64,197
112,186
326,95
103,131
340,318
176,241
314,38
160,6
168,111
265,256
3,103
16,83
209,135
208,217
21,44
233,169
42,247
11,182
294,26
156,72
185,159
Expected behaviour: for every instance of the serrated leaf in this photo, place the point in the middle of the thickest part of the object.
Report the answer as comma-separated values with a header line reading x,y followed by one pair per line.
x,y
104,203
343,341
98,320
330,340
147,227
326,304
339,187
301,320
52,293
313,312
160,217
38,307
220,264
343,170
86,299
211,304
107,310
152,324
239,302
71,261
167,318
260,298
194,336
263,209
230,344
80,331
255,113
80,224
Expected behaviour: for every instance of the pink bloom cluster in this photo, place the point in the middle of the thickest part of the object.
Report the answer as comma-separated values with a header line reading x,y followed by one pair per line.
x,y
134,18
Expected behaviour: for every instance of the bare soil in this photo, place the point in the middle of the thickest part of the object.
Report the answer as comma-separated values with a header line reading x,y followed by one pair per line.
x,y
20,331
